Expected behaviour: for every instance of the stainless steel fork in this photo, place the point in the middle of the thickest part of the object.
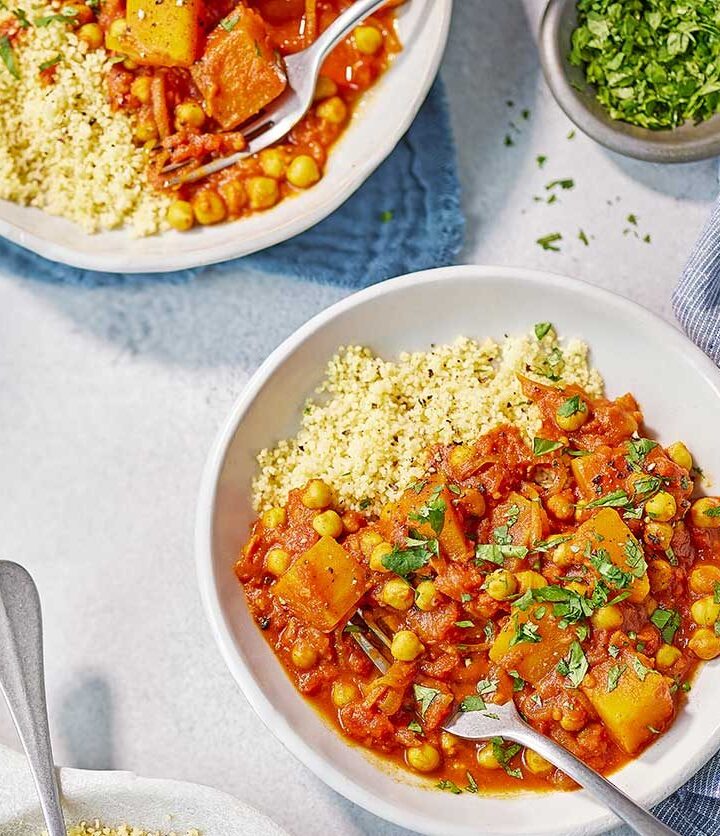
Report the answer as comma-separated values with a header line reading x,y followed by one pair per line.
x,y
302,71
505,721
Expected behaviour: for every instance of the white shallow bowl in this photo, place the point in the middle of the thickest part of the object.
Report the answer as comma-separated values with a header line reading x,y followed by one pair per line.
x,y
679,390
383,117
123,798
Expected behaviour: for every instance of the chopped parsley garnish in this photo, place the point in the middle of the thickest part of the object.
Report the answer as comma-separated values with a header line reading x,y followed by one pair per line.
x,y
525,633
504,753
465,597
651,64
614,650
574,666
541,159
551,542
572,406
541,446
472,783
568,605
494,553
667,622
548,242
474,702
518,681
640,670
713,512
7,55
417,553
583,237
351,628
450,786
637,450
635,558
486,687
59,18
51,62
425,697
386,216
614,674
716,593
647,485
542,329
615,499
432,512
414,726
464,624
613,574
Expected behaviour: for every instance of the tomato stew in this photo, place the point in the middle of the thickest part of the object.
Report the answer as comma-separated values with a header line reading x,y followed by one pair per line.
x,y
575,576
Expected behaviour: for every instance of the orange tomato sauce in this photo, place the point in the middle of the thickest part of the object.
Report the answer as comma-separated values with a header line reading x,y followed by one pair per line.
x,y
576,576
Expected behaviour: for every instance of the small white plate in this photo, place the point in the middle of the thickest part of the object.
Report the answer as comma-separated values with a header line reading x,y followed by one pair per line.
x,y
383,117
678,388
123,798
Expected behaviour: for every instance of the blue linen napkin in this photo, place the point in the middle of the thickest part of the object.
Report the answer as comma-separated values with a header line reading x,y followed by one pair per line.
x,y
405,217
696,300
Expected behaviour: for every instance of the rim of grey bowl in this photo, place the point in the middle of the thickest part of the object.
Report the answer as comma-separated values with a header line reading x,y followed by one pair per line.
x,y
687,143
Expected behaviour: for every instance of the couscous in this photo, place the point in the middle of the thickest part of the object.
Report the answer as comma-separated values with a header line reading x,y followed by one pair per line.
x,y
99,97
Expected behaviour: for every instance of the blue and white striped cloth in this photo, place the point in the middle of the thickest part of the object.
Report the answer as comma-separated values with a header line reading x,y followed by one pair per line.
x,y
696,300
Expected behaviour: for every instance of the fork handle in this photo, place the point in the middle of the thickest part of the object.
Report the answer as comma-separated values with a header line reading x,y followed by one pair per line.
x,y
343,24
637,817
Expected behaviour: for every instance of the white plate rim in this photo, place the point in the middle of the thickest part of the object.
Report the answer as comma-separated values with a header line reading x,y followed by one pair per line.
x,y
348,183
272,718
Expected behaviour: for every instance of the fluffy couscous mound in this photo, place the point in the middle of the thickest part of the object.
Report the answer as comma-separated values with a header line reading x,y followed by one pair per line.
x,y
376,417
62,149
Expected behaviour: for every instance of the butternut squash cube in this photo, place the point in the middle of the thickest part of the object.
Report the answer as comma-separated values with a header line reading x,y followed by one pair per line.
x,y
240,72
524,518
161,33
532,659
633,701
322,585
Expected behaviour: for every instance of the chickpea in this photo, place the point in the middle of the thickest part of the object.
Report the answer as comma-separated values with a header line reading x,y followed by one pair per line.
x,y
486,757
560,507
658,534
325,88
423,758
189,115
703,512
578,416
343,693
129,64
426,596
607,618
333,110
449,744
303,655
639,589
680,454
501,585
140,88
380,551
273,517
303,172
704,578
460,456
277,562
704,643
397,594
208,207
316,495
234,195
529,580
406,646
564,556
180,215
368,540
92,34
573,719
118,29
328,524
705,611
145,131
272,162
660,575
368,39
666,656
262,191
661,507
536,763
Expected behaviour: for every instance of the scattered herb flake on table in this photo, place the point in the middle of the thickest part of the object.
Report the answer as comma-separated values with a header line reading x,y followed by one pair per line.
x,y
548,242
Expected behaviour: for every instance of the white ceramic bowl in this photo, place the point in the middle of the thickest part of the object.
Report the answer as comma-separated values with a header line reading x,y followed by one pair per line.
x,y
123,798
383,117
679,389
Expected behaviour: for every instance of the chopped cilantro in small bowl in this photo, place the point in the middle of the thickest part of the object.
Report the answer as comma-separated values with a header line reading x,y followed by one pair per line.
x,y
641,77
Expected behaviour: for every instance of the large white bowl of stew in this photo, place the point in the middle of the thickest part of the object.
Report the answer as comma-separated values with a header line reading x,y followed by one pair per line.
x,y
678,388
379,120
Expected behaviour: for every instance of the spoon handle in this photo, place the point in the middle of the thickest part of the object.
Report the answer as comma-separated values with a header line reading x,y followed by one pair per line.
x,y
640,819
23,684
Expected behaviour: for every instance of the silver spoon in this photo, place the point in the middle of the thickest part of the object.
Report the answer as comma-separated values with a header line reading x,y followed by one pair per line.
x,y
22,682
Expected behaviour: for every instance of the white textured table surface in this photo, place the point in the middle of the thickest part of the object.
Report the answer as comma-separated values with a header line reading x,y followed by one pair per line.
x,y
110,398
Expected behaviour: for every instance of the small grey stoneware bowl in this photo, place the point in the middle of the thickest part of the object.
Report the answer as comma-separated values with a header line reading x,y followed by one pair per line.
x,y
576,97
